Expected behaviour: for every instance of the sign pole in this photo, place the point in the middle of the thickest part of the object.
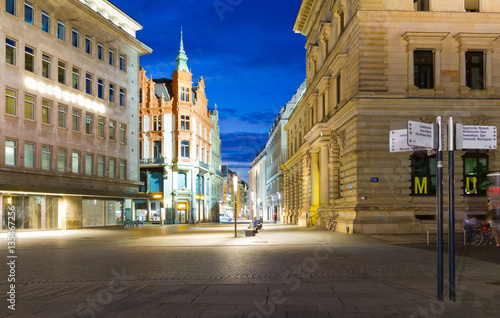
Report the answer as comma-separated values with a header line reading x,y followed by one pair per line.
x,y
451,206
439,157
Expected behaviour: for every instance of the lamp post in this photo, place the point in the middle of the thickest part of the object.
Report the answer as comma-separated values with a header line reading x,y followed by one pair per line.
x,y
235,189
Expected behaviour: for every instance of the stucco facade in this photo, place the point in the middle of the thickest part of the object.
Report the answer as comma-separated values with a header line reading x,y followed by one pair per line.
x,y
371,67
69,115
176,153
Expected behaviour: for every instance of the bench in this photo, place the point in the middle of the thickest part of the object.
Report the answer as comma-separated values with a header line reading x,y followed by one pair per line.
x,y
249,232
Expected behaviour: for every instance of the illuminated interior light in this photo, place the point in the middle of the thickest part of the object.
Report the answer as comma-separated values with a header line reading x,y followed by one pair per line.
x,y
67,96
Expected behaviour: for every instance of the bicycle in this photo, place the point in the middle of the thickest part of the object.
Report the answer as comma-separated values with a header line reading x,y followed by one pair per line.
x,y
332,225
128,223
482,235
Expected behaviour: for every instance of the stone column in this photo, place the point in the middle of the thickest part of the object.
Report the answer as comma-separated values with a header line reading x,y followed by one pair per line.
x,y
412,89
324,176
315,180
438,88
490,89
335,92
463,89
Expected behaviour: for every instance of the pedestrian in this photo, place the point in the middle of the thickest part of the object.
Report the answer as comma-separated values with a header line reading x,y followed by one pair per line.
x,y
469,226
255,224
275,217
495,229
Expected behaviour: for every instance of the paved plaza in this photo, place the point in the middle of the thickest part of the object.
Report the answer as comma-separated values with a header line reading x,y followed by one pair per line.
x,y
204,271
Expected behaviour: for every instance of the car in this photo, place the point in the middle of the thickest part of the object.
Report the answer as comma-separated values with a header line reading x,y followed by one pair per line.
x,y
224,218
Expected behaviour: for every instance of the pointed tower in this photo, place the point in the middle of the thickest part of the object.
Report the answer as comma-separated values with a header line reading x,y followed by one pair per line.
x,y
182,58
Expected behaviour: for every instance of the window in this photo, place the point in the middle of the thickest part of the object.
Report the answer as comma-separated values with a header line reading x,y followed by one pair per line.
x,y
61,30
100,88
46,157
100,51
474,70
45,111
185,94
423,173
421,5
122,133
112,167
112,125
475,171
88,83
10,152
423,69
75,162
111,57
29,155
46,65
88,44
157,123
61,116
472,5
61,160
75,82
185,149
10,101
75,37
122,169
89,118
29,107
61,72
182,180
10,6
122,97
111,93
122,62
184,122
29,9
75,120
88,164
29,59
100,126
45,21
157,149
10,51
100,166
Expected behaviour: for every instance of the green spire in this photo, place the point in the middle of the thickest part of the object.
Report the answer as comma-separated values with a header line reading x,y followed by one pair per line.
x,y
182,58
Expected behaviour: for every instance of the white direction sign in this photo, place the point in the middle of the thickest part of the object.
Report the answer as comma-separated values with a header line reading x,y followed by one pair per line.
x,y
476,137
398,141
422,134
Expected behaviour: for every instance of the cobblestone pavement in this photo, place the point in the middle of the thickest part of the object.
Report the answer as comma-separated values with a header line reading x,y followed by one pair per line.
x,y
204,271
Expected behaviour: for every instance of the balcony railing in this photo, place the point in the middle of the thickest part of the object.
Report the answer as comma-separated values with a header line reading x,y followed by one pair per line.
x,y
219,173
204,165
153,160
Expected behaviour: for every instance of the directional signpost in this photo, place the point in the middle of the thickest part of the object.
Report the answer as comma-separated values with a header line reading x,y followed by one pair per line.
x,y
476,137
398,140
422,134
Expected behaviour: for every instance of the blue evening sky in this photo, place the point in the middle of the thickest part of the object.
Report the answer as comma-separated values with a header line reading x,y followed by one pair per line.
x,y
250,58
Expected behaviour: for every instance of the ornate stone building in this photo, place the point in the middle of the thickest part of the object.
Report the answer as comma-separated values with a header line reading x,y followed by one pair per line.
x,y
175,142
69,74
372,65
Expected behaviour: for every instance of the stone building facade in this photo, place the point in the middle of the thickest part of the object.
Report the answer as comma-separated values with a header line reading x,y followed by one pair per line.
x,y
69,74
276,149
175,144
372,65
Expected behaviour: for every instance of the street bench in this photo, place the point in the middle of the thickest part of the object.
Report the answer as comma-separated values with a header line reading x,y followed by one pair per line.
x,y
249,232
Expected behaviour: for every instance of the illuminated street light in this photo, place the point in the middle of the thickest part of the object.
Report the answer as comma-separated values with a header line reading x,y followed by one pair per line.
x,y
235,189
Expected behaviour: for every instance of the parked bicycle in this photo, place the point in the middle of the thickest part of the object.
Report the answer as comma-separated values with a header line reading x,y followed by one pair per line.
x,y
128,224
482,235
332,224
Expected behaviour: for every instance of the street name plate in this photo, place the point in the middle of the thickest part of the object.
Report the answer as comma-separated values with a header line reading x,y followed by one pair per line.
x,y
421,134
476,137
398,141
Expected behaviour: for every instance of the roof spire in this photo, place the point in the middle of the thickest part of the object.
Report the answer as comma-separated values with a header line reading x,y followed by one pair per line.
x,y
182,57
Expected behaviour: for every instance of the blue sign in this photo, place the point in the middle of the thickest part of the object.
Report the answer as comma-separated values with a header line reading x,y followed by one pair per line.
x,y
374,179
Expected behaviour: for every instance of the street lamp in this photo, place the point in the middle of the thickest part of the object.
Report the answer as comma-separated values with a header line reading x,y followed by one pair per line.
x,y
235,189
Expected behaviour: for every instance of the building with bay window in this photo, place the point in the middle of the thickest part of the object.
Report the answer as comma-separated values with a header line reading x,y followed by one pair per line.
x,y
371,67
180,149
69,73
